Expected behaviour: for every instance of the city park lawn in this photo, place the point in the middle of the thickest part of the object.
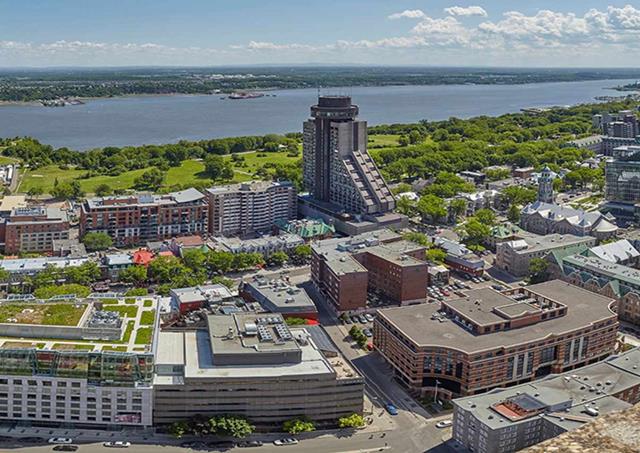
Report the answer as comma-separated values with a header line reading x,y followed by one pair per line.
x,y
384,140
189,172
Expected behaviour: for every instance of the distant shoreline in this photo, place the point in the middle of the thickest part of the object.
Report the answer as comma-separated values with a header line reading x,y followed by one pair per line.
x,y
226,93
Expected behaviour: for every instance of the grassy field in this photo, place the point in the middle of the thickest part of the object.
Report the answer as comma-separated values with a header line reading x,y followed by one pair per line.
x,y
383,140
189,172
42,314
73,347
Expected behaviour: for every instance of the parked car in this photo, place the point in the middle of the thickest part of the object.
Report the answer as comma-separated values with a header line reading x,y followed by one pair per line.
x,y
369,317
117,444
347,320
355,319
362,319
250,443
285,441
391,409
65,448
497,287
444,424
367,333
60,440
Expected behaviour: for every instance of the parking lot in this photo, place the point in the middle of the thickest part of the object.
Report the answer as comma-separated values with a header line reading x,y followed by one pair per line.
x,y
458,284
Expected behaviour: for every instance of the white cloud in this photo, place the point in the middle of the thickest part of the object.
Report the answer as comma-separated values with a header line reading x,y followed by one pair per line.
x,y
408,14
466,11
594,35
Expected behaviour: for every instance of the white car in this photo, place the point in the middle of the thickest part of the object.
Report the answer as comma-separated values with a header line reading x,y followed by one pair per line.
x,y
117,444
285,441
60,440
444,424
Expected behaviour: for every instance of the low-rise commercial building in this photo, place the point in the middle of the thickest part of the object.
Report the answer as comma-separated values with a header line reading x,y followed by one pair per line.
x,y
460,258
136,219
20,268
184,300
250,207
265,245
508,420
251,365
33,229
279,296
491,339
592,143
514,257
345,269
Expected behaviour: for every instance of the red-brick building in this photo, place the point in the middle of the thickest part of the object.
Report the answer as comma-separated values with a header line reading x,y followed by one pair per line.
x,y
491,339
346,269
33,229
135,219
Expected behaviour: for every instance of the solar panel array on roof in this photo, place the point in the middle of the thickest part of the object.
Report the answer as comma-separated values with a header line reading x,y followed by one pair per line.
x,y
283,332
264,334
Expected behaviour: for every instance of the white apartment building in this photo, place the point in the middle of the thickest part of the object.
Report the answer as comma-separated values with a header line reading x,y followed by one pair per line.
x,y
246,208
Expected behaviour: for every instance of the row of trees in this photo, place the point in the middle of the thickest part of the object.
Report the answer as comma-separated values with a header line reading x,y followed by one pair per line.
x,y
239,427
197,266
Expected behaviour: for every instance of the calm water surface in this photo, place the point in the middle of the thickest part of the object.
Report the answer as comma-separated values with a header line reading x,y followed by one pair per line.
x,y
165,119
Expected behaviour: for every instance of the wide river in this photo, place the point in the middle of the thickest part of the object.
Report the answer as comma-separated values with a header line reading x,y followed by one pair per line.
x,y
166,119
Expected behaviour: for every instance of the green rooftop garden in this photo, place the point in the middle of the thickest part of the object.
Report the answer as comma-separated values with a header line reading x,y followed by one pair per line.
x,y
48,314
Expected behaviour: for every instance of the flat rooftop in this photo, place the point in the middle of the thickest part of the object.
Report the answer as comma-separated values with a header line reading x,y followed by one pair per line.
x,y
425,325
145,199
193,350
569,394
281,294
71,325
530,244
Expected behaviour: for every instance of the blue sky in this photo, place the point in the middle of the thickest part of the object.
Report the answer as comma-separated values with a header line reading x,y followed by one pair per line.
x,y
227,32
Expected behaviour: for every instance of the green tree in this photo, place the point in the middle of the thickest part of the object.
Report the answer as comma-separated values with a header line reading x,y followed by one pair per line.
x,y
351,421
538,270
229,425
217,168
519,195
62,191
417,237
432,207
514,214
134,275
102,190
301,254
49,291
85,274
194,259
458,207
278,258
436,255
151,179
486,216
298,425
96,241
474,232
178,429
406,206
34,192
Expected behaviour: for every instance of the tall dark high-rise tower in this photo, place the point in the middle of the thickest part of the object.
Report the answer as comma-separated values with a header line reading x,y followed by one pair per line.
x,y
338,170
